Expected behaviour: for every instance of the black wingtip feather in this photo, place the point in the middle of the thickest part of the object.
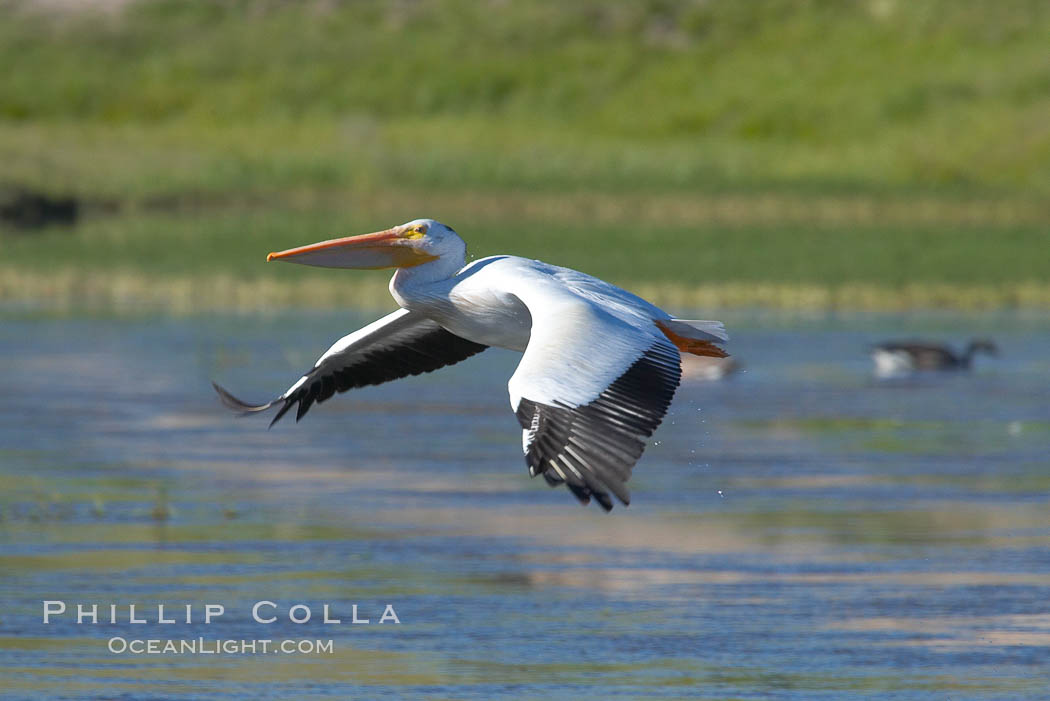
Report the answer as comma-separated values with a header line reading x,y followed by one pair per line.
x,y
580,492
304,405
281,412
233,403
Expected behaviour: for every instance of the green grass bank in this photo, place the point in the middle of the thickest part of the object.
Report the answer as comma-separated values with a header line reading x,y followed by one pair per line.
x,y
879,154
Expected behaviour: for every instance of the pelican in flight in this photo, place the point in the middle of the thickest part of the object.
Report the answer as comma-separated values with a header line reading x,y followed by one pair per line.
x,y
599,365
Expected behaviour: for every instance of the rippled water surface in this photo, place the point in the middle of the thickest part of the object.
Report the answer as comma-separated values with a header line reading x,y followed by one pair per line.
x,y
798,531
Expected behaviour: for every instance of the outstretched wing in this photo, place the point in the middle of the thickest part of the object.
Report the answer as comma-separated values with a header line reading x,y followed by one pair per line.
x,y
590,389
398,345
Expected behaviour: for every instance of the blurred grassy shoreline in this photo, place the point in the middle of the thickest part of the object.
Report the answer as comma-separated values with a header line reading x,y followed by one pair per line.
x,y
70,289
774,250
874,155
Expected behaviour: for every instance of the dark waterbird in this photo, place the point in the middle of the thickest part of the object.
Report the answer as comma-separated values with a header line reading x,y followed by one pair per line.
x,y
27,209
897,357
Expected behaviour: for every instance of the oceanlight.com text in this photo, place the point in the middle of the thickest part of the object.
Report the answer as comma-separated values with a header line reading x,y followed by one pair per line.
x,y
217,646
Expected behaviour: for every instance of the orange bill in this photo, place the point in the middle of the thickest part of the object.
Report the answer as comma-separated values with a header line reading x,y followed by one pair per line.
x,y
383,249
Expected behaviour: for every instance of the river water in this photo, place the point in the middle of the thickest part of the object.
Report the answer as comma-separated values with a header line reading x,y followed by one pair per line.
x,y
800,530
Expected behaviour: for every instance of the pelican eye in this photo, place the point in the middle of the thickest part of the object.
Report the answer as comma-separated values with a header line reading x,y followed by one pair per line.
x,y
416,232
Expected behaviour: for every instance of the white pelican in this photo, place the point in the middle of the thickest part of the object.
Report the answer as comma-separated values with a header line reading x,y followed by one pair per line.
x,y
704,368
901,357
599,365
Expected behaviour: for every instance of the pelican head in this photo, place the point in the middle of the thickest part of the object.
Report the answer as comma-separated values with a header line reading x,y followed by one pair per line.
x,y
413,243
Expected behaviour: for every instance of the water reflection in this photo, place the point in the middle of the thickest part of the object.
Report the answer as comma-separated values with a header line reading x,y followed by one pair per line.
x,y
799,530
